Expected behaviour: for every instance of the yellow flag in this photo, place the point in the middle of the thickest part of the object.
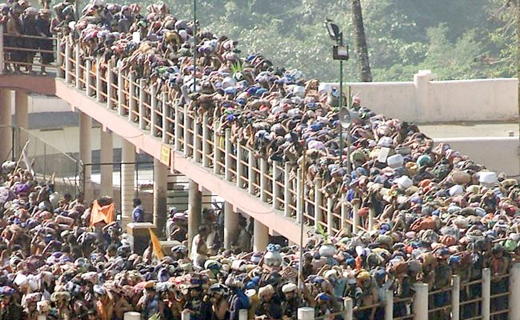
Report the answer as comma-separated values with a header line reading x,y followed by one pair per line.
x,y
157,249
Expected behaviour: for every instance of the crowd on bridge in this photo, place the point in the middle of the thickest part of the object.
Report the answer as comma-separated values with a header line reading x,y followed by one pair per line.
x,y
436,213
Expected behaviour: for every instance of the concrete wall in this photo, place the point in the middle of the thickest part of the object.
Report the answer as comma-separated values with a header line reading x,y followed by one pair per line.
x,y
497,154
427,101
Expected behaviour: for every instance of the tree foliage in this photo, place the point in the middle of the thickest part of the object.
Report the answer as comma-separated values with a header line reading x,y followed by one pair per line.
x,y
455,39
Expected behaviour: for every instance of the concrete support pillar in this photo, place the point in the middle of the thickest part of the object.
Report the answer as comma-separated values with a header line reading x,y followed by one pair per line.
x,y
514,285
107,158
305,313
260,236
206,197
486,294
5,122
194,210
85,152
420,302
349,308
230,225
160,186
21,116
455,298
127,181
389,304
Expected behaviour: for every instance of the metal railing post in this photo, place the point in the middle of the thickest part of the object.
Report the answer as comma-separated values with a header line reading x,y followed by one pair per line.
x,y
216,152
142,122
455,297
68,63
318,199
344,215
186,132
131,96
110,82
79,63
389,304
330,216
371,215
240,165
299,193
263,179
486,294
276,189
227,155
88,78
59,57
120,92
99,82
355,218
197,140
205,138
251,172
349,308
153,107
287,191
177,127
420,301
166,111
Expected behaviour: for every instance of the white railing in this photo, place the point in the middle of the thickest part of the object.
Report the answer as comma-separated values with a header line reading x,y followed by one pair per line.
x,y
195,136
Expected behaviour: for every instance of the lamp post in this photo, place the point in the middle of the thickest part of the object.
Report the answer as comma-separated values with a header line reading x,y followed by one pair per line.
x,y
194,46
340,52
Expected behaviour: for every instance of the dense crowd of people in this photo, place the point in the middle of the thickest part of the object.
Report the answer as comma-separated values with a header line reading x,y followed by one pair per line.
x,y
436,213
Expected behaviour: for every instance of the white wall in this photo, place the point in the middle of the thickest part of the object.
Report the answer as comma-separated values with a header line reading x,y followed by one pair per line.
x,y
427,101
497,154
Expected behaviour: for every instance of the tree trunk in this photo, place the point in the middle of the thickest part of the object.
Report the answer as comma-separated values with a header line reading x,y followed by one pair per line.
x,y
360,42
517,27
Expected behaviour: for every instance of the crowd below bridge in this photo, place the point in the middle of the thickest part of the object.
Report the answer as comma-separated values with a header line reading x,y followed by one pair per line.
x,y
436,212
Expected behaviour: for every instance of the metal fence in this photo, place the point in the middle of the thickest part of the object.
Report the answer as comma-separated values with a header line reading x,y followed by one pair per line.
x,y
47,162
139,179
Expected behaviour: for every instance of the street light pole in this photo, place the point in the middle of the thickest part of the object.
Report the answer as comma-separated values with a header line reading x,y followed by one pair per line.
x,y
340,52
340,107
194,46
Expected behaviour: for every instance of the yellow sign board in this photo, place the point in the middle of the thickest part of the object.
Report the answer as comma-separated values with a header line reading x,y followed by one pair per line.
x,y
165,155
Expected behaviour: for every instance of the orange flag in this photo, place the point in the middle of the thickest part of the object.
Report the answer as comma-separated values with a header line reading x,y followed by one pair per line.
x,y
100,214
157,249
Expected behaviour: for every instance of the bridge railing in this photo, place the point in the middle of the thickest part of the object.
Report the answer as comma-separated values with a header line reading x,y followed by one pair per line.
x,y
161,112
35,53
